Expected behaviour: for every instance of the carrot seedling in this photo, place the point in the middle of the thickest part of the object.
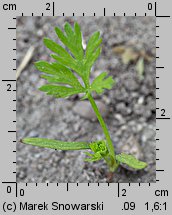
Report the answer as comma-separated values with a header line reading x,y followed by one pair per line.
x,y
63,82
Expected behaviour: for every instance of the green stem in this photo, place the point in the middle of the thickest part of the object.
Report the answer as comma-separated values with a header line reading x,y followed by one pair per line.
x,y
112,164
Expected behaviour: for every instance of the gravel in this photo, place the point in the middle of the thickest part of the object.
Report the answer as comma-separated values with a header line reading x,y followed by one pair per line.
x,y
128,109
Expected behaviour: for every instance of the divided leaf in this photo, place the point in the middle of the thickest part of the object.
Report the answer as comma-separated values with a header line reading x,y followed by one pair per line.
x,y
89,61
56,144
93,43
131,161
102,82
60,91
93,51
69,59
56,48
58,73
72,39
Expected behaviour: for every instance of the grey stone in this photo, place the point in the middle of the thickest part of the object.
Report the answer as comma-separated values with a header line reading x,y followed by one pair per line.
x,y
131,82
120,119
123,109
84,109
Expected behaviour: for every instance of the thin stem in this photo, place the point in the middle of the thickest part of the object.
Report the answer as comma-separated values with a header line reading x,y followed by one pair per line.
x,y
113,164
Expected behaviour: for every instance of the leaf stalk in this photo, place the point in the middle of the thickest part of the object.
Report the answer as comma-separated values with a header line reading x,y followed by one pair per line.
x,y
111,161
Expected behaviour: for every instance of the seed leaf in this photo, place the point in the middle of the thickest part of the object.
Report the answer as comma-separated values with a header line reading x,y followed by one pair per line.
x,y
101,82
56,144
131,161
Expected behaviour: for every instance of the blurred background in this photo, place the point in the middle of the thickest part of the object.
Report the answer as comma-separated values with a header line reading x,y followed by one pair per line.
x,y
129,109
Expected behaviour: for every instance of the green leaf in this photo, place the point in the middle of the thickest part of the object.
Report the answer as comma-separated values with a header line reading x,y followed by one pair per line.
x,y
89,61
140,67
44,66
60,91
71,59
94,157
70,64
57,49
69,32
62,37
72,40
131,161
79,41
93,44
58,73
102,82
56,144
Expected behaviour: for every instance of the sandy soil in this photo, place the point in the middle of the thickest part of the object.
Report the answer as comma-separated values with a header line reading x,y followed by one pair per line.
x,y
129,108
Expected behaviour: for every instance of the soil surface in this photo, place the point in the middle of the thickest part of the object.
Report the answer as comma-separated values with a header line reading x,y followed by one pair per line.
x,y
129,109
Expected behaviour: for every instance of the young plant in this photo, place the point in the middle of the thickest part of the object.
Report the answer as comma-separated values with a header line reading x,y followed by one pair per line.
x,y
63,82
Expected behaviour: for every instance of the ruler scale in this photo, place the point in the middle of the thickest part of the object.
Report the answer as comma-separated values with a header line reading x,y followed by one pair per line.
x,y
107,198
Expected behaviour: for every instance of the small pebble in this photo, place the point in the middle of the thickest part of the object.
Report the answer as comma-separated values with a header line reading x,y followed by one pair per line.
x,y
84,109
